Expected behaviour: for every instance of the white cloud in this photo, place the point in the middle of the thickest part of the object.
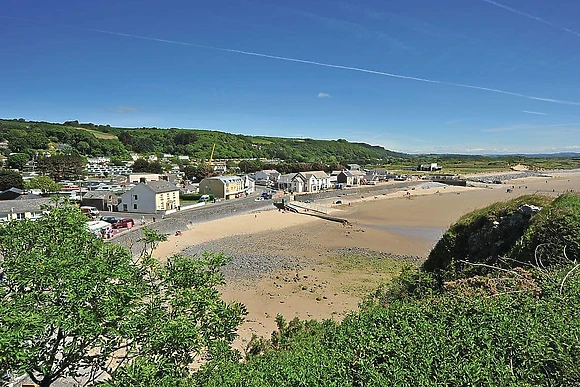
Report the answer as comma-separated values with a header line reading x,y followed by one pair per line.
x,y
125,110
521,127
323,95
536,113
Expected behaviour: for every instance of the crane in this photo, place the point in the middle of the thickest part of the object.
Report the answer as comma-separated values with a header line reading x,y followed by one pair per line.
x,y
211,156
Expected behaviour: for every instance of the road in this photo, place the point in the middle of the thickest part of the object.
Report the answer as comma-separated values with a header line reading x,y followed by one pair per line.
x,y
181,220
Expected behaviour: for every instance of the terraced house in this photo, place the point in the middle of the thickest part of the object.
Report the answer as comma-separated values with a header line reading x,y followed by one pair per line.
x,y
223,187
311,181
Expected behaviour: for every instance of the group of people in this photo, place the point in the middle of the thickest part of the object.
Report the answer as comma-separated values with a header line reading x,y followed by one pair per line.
x,y
106,233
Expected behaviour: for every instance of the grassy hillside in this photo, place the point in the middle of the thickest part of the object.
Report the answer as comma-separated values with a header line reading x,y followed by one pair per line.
x,y
191,142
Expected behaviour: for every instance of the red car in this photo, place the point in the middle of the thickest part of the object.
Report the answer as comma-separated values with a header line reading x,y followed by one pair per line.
x,y
125,222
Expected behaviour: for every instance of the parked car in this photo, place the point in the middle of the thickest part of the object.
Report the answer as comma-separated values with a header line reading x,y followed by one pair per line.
x,y
308,201
125,222
110,219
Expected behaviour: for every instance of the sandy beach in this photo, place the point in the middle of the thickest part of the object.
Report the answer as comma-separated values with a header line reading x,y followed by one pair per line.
x,y
302,266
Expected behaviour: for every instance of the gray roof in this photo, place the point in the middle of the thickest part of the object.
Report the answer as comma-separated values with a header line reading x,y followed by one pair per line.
x,y
17,206
316,174
97,194
225,179
161,186
13,189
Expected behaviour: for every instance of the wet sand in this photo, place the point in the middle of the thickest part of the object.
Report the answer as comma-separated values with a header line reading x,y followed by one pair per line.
x,y
327,282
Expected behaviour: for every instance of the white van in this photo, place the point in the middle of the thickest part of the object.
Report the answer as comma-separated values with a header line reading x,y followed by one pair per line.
x,y
91,212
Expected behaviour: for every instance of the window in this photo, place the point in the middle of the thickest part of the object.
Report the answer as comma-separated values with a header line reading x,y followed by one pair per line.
x,y
134,206
20,216
135,197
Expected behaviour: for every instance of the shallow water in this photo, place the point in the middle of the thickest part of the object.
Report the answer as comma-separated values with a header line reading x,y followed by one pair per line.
x,y
425,234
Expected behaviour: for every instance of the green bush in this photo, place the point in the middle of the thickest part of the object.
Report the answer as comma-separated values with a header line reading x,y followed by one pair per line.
x,y
556,227
193,197
457,243
449,339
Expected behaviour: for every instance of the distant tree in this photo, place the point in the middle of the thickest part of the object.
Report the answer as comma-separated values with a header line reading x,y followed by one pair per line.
x,y
17,160
141,165
155,167
250,166
43,183
126,138
318,167
83,147
204,170
185,137
9,179
117,161
62,167
72,305
190,172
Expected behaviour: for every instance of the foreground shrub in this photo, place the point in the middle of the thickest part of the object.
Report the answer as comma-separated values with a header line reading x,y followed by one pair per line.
x,y
516,339
483,235
553,234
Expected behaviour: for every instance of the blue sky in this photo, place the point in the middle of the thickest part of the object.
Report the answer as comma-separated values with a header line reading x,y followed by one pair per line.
x,y
196,64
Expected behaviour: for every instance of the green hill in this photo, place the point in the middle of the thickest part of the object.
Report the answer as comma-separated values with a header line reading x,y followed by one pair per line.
x,y
96,140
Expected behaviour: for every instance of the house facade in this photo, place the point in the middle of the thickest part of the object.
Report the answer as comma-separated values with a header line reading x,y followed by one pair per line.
x,y
316,181
266,175
223,187
249,184
22,209
352,177
150,197
102,200
292,182
429,167
136,178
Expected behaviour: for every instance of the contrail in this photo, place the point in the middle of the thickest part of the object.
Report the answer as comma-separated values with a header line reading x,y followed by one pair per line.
x,y
549,23
536,113
320,64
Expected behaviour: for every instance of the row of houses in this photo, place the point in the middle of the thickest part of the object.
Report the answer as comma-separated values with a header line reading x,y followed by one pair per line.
x,y
313,181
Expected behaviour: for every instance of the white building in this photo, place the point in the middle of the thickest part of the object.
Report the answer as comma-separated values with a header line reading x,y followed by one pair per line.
x,y
292,182
316,181
136,178
249,184
22,209
266,175
150,197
